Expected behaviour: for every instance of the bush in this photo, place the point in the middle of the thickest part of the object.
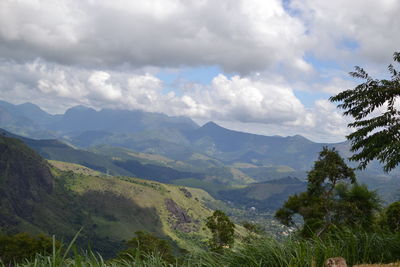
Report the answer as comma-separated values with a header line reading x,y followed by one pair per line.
x,y
18,247
146,244
393,216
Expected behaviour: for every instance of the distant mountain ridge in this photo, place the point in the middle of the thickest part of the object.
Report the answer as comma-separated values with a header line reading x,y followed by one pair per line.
x,y
80,119
177,138
234,146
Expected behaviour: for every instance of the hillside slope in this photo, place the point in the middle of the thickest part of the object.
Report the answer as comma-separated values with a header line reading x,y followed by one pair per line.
x,y
31,198
264,196
119,206
121,161
62,197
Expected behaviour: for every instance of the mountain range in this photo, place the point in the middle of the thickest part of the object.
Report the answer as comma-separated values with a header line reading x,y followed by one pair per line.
x,y
171,149
174,137
115,172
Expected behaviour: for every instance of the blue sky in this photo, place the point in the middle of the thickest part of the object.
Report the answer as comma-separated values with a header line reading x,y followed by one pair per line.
x,y
263,66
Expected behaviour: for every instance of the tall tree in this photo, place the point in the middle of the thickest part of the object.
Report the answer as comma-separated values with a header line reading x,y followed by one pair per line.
x,y
222,230
374,107
393,216
329,202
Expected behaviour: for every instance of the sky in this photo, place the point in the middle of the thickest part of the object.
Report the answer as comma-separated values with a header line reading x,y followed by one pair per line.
x,y
260,66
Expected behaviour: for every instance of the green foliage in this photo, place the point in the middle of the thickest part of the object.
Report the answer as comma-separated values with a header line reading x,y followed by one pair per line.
x,y
393,216
254,231
222,230
253,227
375,136
21,246
329,203
355,247
356,206
327,172
145,244
35,198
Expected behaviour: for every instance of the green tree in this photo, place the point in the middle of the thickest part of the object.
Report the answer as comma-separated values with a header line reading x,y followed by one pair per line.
x,y
329,201
373,106
393,216
144,244
222,230
356,206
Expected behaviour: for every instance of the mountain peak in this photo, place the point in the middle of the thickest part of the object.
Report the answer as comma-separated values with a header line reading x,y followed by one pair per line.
x,y
298,137
79,108
30,105
211,124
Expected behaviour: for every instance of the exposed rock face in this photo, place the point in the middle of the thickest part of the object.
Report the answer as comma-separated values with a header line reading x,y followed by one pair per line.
x,y
180,219
336,262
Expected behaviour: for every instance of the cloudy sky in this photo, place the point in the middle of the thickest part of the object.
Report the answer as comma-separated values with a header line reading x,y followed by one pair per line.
x,y
262,66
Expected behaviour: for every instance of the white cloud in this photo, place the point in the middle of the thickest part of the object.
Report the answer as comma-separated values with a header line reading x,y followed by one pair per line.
x,y
98,83
248,100
240,36
321,123
345,29
236,100
328,119
106,54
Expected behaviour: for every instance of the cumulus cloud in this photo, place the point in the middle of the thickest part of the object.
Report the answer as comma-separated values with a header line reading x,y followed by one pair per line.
x,y
232,100
240,36
248,100
344,29
235,98
98,53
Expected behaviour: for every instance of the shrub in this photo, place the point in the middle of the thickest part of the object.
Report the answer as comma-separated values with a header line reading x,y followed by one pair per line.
x,y
21,246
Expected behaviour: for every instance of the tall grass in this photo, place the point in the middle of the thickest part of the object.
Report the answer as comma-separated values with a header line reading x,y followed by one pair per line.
x,y
90,259
355,247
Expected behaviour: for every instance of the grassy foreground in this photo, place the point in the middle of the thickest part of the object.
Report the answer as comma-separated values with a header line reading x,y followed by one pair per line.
x,y
356,248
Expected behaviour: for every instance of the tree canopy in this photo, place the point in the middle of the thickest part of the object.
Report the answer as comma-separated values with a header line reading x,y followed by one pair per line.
x,y
222,230
22,246
329,201
393,216
374,107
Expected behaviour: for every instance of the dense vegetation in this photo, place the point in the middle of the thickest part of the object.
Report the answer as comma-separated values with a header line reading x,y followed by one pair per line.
x,y
356,247
377,240
59,198
333,199
169,225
